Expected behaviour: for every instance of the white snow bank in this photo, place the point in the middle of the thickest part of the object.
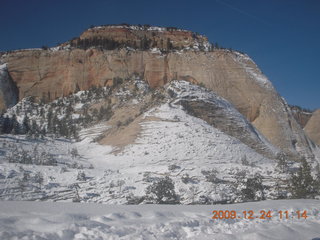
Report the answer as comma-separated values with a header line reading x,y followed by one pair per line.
x,y
48,220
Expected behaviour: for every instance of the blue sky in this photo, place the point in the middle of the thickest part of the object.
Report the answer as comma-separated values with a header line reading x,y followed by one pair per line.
x,y
282,37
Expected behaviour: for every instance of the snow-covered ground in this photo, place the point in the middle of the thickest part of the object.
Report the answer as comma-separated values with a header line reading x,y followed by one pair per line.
x,y
54,221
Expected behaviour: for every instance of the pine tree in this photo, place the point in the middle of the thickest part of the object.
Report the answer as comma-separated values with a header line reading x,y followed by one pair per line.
x,y
169,44
1,123
162,191
25,124
38,178
302,183
50,119
16,129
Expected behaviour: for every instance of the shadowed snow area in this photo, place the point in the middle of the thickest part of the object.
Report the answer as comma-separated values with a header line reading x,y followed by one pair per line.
x,y
47,220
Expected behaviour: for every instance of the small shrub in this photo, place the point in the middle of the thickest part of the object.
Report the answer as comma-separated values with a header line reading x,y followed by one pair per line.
x,y
119,124
134,200
173,167
74,153
91,166
211,176
63,169
38,178
244,161
75,187
186,179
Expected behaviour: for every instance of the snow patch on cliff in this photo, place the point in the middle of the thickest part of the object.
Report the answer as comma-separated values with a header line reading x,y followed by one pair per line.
x,y
252,69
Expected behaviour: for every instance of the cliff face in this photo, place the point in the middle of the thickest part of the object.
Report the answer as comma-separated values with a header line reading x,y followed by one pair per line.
x,y
302,116
8,90
50,74
312,128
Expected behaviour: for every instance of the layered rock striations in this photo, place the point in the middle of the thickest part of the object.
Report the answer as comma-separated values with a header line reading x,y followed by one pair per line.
x,y
52,73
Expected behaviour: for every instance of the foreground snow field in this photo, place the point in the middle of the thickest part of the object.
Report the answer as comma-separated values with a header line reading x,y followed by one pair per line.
x,y
51,220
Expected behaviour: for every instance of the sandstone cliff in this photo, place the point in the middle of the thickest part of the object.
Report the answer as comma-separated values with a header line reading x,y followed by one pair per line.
x,y
312,128
49,74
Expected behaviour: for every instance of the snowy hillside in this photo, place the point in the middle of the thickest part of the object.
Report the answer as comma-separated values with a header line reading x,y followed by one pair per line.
x,y
144,137
39,220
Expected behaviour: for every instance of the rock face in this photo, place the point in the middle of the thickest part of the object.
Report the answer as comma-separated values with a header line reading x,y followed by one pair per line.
x,y
8,89
49,74
312,128
302,116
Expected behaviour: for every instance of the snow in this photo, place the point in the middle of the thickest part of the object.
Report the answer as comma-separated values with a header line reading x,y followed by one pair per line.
x,y
251,68
49,220
3,67
155,50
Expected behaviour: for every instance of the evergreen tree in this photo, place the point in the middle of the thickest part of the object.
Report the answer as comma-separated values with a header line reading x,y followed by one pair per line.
x,y
302,183
25,124
7,125
50,119
169,44
34,127
16,128
162,191
253,188
1,123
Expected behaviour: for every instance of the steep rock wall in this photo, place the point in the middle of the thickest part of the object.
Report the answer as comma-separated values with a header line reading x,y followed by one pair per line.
x,y
312,128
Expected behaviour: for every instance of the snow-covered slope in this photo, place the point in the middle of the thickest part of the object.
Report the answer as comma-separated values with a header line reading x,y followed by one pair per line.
x,y
170,142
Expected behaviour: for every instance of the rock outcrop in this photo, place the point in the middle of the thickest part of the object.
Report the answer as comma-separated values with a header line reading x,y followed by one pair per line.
x,y
8,89
312,128
140,37
52,73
